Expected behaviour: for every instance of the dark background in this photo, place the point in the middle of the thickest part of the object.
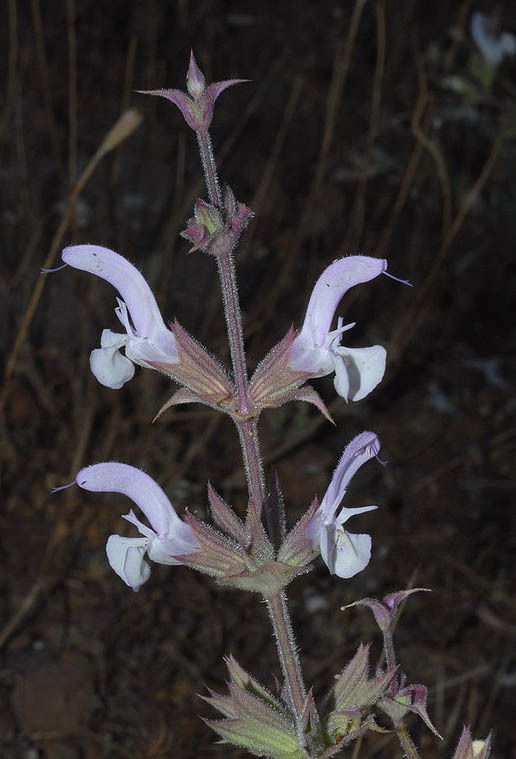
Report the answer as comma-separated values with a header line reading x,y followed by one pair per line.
x,y
341,143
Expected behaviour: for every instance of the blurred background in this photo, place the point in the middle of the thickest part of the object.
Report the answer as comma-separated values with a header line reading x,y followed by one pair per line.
x,y
376,127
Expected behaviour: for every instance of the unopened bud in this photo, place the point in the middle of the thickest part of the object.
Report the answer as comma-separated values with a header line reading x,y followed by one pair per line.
x,y
472,749
386,610
195,82
198,103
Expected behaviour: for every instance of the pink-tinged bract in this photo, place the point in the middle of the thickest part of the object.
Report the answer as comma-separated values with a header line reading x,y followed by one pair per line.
x,y
468,748
386,610
197,105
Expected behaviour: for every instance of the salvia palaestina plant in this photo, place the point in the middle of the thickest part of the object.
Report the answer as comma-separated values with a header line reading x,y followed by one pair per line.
x,y
262,553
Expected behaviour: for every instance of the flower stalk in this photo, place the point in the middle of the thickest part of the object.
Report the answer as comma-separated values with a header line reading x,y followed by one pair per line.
x,y
226,267
209,167
250,445
406,743
282,627
246,424
388,647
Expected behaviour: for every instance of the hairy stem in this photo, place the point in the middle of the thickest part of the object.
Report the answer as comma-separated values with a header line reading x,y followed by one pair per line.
x,y
406,743
228,283
247,430
248,433
209,167
287,652
388,647
234,326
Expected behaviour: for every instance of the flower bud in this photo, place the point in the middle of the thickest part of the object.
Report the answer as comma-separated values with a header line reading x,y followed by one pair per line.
x,y
354,693
386,610
470,749
403,699
195,82
198,103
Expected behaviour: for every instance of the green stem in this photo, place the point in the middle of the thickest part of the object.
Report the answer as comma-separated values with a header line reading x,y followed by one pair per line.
x,y
227,275
209,167
287,652
249,443
388,647
233,316
406,742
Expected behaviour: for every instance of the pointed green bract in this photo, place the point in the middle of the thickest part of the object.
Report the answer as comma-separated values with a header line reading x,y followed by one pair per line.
x,y
354,693
244,680
354,689
297,549
472,749
255,719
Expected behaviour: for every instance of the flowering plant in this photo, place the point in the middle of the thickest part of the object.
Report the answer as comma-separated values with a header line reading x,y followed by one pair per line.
x,y
257,553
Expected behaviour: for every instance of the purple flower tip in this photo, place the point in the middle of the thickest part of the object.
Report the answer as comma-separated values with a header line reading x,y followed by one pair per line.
x,y
63,487
397,279
50,271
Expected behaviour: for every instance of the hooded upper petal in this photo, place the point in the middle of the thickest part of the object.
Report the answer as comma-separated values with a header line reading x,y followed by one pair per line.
x,y
114,477
132,286
330,288
362,448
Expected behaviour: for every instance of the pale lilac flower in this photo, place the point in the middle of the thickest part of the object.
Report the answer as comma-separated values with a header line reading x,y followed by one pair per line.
x,y
147,339
317,349
493,48
166,538
344,553
197,105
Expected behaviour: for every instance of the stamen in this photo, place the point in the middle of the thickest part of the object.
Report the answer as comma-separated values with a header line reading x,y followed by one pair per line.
x,y
379,460
63,487
397,279
50,271
340,329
